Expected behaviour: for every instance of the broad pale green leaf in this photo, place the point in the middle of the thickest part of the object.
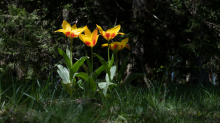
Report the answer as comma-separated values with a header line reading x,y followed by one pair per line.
x,y
97,72
87,78
101,68
85,68
67,87
64,74
66,58
111,61
107,78
89,64
105,86
105,65
76,65
92,84
82,75
68,53
133,76
113,70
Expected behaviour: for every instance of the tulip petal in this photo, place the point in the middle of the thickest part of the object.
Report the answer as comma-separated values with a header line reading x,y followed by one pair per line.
x,y
81,29
127,46
125,41
104,45
74,27
114,45
66,25
60,30
114,30
87,32
121,33
84,38
94,37
100,29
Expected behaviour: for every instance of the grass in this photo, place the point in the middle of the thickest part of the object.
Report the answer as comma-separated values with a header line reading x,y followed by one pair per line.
x,y
46,103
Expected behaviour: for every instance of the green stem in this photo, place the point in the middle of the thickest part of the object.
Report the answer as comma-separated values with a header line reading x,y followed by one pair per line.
x,y
71,52
108,53
92,57
116,64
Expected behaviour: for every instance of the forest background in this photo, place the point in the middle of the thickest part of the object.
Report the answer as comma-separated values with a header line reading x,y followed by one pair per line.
x,y
176,41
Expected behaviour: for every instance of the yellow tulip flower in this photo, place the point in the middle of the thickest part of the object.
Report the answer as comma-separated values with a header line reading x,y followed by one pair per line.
x,y
90,39
110,33
120,45
71,32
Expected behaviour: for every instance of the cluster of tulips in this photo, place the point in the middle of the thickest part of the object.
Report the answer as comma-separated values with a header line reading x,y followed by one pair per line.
x,y
90,39
70,73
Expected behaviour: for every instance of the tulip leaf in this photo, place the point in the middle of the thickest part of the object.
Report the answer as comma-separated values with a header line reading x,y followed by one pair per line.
x,y
89,64
108,84
113,70
85,68
68,53
133,76
66,58
89,80
101,68
64,74
105,86
79,63
97,72
105,65
67,87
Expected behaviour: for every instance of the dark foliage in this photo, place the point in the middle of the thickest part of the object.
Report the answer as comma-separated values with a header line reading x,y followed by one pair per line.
x,y
181,36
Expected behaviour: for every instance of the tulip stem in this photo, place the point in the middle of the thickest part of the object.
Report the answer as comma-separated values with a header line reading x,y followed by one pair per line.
x,y
92,57
108,53
71,51
116,64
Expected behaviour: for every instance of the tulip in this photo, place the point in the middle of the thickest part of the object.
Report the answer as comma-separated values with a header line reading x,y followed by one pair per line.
x,y
110,33
120,45
71,32
90,39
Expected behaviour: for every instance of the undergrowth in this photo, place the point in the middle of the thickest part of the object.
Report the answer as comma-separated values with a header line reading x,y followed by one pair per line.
x,y
31,101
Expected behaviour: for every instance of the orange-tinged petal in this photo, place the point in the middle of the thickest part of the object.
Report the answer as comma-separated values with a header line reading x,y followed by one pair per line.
x,y
94,37
80,30
115,29
74,27
88,43
90,40
73,35
127,46
67,34
121,33
100,29
70,32
120,45
87,32
66,25
60,30
125,41
94,43
104,45
107,35
84,38
114,45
